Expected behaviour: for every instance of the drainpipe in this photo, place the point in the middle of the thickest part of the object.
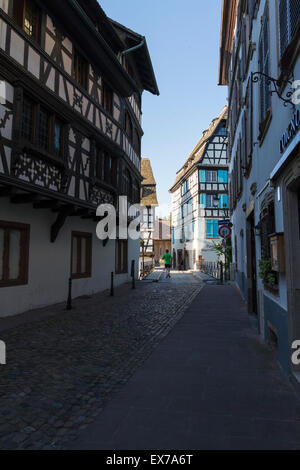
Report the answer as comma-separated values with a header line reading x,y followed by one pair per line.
x,y
132,49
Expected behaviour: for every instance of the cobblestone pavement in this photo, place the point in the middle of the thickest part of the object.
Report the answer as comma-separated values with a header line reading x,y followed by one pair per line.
x,y
61,371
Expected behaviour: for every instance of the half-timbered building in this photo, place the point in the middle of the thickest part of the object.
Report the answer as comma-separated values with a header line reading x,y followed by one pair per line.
x,y
200,198
71,83
149,203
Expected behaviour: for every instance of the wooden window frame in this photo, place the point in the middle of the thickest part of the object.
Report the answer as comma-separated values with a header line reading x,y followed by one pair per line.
x,y
24,254
128,127
121,265
80,69
18,15
89,240
107,98
52,119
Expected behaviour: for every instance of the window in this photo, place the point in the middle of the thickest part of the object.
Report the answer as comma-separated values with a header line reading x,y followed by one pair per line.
x,y
27,120
289,14
28,16
14,253
108,168
80,70
137,142
42,128
81,264
210,201
58,137
121,256
43,134
185,188
100,164
128,127
189,232
107,98
212,229
264,54
187,208
127,185
223,201
211,177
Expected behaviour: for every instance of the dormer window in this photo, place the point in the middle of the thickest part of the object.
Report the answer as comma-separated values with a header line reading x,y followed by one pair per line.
x,y
27,15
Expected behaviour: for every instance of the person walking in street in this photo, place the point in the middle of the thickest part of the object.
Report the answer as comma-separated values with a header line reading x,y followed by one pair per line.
x,y
167,257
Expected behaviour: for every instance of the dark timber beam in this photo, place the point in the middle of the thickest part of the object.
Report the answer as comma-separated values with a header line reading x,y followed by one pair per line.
x,y
24,198
88,215
46,204
79,212
60,220
6,191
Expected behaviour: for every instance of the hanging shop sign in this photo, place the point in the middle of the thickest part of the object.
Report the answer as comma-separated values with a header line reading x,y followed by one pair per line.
x,y
291,131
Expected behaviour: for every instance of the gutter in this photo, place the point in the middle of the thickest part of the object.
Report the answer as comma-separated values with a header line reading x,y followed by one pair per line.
x,y
132,49
91,27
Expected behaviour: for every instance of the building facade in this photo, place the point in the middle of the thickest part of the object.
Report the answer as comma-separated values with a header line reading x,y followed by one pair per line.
x,y
149,203
162,239
200,198
70,140
260,64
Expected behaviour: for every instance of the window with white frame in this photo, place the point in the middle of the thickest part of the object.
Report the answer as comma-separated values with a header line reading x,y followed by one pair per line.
x,y
211,177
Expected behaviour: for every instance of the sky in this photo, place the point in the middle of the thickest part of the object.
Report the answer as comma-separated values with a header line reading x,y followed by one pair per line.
x,y
183,39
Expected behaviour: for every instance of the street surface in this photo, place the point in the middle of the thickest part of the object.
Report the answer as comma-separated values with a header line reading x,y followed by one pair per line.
x,y
174,364
62,370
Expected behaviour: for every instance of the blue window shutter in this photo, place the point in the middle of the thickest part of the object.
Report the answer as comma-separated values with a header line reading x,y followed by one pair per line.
x,y
209,228
203,200
220,201
202,176
216,229
222,176
225,201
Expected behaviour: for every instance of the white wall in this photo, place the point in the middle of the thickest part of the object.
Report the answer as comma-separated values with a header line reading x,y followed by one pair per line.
x,y
49,263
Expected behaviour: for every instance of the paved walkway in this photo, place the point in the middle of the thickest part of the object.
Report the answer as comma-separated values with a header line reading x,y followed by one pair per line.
x,y
210,384
63,366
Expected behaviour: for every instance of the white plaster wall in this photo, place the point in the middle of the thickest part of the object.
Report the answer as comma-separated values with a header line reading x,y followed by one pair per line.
x,y
49,263
266,156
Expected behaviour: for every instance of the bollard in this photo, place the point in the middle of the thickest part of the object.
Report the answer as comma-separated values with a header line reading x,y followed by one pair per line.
x,y
133,273
69,301
221,272
112,292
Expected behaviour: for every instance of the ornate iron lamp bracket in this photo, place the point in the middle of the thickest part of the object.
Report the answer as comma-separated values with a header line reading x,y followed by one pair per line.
x,y
277,84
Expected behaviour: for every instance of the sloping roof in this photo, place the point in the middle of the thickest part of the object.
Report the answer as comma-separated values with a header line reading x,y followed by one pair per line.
x,y
199,150
146,172
229,12
149,196
141,56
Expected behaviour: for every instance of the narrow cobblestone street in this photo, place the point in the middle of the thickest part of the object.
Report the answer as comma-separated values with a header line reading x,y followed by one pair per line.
x,y
210,385
61,371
